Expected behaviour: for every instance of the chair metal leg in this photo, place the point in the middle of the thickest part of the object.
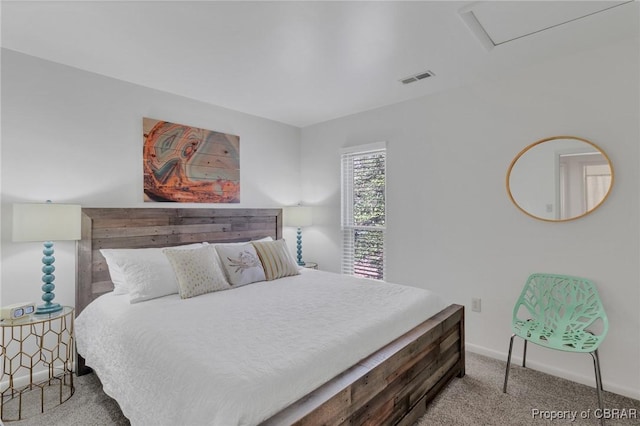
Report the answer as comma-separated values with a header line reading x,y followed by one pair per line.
x,y
599,371
524,354
599,389
596,366
506,374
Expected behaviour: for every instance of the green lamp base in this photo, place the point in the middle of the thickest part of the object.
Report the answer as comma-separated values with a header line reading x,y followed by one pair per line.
x,y
48,308
299,247
47,268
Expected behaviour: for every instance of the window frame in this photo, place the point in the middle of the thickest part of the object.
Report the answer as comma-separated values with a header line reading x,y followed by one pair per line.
x,y
348,226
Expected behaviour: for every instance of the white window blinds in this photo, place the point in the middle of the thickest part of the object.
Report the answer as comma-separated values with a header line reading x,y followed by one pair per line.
x,y
363,210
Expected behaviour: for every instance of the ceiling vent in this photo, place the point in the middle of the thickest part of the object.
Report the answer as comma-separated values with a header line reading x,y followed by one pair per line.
x,y
416,77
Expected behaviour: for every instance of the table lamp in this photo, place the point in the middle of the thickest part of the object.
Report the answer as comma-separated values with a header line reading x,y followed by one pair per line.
x,y
46,222
298,216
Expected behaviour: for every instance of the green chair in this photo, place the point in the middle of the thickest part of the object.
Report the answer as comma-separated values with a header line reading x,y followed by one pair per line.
x,y
557,312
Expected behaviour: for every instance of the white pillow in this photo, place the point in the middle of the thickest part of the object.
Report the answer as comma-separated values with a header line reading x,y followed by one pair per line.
x,y
240,263
115,271
241,243
146,272
197,271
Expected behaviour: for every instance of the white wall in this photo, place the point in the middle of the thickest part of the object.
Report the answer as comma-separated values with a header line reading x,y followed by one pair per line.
x,y
73,136
451,225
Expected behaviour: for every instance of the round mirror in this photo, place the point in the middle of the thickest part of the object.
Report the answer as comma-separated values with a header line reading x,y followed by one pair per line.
x,y
559,178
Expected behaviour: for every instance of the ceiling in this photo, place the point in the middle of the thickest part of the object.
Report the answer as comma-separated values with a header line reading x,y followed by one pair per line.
x,y
306,62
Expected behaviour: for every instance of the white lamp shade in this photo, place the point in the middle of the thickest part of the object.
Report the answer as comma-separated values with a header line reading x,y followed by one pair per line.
x,y
46,222
298,216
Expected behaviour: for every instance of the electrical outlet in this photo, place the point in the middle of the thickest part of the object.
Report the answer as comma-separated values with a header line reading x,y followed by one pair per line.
x,y
476,304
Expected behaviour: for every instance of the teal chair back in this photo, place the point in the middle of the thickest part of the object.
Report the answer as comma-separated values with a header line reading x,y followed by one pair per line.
x,y
560,312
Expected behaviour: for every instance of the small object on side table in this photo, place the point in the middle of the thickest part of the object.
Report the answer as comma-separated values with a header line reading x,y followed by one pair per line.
x,y
311,265
37,353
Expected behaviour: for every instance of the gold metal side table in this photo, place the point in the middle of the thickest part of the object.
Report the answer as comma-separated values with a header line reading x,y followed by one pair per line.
x,y
36,355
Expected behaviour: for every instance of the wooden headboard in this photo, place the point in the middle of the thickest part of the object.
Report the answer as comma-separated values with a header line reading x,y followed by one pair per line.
x,y
159,227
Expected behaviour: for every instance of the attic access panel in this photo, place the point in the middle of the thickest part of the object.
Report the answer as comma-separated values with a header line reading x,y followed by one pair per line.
x,y
498,22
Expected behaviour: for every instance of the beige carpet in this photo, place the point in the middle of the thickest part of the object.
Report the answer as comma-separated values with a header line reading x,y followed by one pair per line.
x,y
476,399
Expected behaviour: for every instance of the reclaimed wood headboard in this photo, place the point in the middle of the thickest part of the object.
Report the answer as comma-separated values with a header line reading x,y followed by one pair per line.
x,y
159,227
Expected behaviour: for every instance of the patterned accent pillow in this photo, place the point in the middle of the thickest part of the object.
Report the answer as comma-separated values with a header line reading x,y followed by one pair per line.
x,y
241,263
276,259
197,271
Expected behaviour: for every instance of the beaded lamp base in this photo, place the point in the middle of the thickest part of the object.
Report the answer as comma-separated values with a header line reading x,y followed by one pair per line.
x,y
48,277
299,247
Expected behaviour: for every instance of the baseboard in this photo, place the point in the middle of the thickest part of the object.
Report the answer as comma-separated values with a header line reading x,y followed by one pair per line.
x,y
20,381
23,380
585,380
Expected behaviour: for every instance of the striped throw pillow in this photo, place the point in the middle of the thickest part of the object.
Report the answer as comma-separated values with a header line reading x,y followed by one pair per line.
x,y
276,259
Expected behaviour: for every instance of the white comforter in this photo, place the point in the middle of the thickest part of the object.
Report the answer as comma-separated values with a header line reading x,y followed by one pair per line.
x,y
237,357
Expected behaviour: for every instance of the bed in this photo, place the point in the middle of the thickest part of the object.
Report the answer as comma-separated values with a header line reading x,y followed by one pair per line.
x,y
390,384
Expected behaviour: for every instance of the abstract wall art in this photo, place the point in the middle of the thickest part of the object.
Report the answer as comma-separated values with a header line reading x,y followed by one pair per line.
x,y
189,165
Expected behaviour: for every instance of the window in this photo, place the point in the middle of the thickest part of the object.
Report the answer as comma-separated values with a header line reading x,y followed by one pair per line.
x,y
363,210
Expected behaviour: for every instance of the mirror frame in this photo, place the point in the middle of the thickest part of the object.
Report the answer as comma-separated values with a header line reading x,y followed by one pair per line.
x,y
541,141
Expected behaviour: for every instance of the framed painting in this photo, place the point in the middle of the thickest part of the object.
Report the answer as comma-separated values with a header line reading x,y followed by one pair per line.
x,y
187,164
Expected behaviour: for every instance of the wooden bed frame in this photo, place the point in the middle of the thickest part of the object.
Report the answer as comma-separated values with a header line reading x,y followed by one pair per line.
x,y
391,386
